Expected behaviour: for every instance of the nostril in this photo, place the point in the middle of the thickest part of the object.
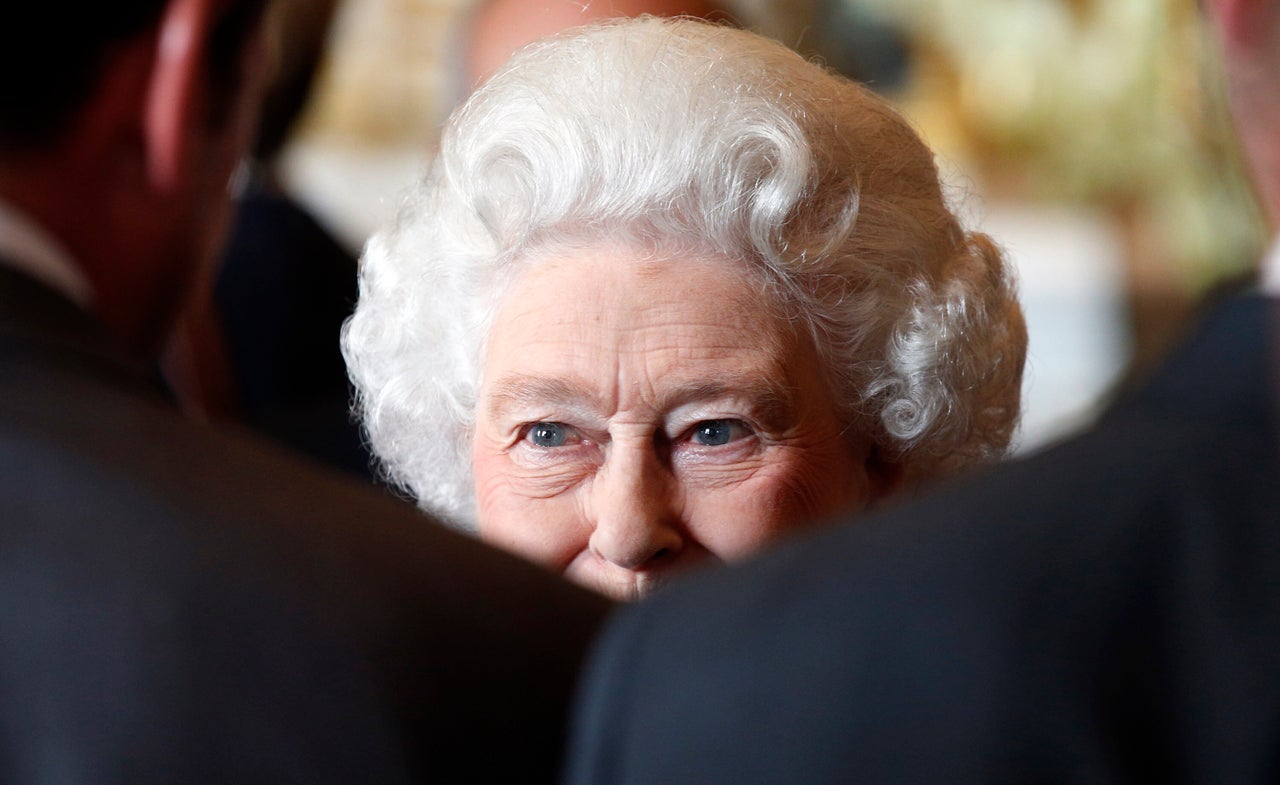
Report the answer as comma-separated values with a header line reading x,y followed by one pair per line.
x,y
636,548
633,520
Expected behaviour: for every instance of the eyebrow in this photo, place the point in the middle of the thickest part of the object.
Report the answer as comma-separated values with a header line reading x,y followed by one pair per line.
x,y
517,391
771,401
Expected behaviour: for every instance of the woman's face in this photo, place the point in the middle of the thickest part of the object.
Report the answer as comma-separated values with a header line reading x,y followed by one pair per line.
x,y
638,417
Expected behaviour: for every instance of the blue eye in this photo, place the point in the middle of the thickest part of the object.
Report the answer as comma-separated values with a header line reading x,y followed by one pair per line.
x,y
548,434
713,433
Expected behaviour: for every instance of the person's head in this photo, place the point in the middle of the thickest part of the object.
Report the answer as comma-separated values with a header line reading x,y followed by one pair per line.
x,y
302,33
668,291
1249,34
122,124
496,29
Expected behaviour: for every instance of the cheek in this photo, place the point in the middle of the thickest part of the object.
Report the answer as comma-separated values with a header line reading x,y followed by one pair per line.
x,y
547,530
823,482
784,495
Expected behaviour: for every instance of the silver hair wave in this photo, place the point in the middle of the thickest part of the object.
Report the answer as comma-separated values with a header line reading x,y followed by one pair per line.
x,y
678,136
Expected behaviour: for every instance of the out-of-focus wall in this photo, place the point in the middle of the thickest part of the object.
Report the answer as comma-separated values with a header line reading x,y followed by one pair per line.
x,y
1096,136
391,78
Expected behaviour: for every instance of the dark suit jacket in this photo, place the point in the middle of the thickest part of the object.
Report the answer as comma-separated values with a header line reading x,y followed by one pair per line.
x,y
283,291
184,605
1106,612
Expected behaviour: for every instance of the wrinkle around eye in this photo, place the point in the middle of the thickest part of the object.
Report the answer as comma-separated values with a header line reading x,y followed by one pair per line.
x,y
744,446
707,471
540,479
578,452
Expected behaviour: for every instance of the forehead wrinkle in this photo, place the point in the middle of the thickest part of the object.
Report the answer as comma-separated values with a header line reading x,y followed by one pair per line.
x,y
770,400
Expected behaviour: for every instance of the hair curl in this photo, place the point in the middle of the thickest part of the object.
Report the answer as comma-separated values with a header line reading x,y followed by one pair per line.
x,y
667,133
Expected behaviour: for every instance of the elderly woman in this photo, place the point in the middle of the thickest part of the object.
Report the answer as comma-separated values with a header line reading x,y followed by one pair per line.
x,y
669,291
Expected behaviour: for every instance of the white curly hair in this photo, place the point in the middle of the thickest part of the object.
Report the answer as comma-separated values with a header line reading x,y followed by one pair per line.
x,y
676,133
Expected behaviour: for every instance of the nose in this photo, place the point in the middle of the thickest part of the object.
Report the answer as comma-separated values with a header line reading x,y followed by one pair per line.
x,y
636,525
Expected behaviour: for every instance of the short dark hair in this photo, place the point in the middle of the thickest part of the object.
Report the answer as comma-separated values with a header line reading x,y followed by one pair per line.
x,y
50,64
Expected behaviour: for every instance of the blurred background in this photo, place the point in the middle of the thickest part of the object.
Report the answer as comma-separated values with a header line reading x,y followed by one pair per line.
x,y
1089,137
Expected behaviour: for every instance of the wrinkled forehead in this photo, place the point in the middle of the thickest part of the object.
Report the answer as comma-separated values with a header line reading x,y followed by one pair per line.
x,y
693,323
644,248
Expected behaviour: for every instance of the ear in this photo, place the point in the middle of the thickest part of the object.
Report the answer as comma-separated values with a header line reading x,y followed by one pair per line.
x,y
176,90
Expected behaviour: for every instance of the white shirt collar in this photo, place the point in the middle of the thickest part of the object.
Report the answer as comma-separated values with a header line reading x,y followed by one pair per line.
x,y
27,247
1271,269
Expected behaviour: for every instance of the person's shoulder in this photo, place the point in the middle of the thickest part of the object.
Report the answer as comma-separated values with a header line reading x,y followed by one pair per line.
x,y
137,466
274,580
1153,526
1198,442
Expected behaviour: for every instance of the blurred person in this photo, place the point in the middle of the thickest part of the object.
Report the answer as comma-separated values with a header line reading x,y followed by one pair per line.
x,y
1106,611
669,292
285,284
497,29
185,605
